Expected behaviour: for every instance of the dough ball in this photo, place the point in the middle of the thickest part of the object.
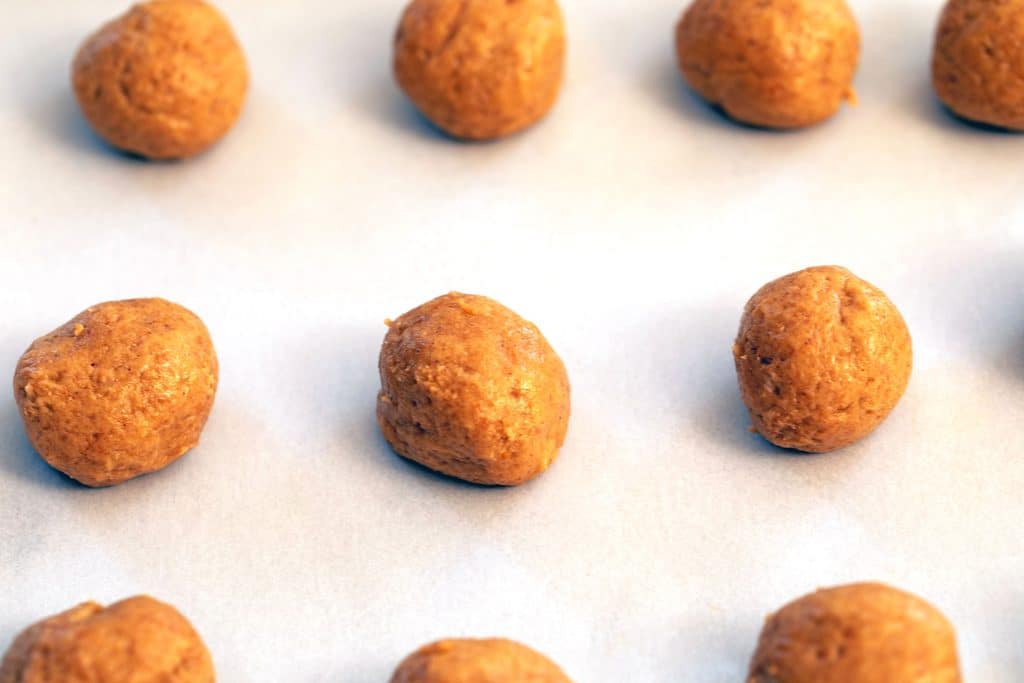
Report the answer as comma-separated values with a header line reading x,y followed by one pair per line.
x,y
770,63
481,69
494,660
165,81
978,62
138,640
861,633
122,389
822,358
471,390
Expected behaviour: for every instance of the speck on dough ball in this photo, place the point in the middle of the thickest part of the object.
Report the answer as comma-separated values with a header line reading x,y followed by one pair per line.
x,y
166,80
978,62
493,660
138,640
122,389
472,390
822,357
860,633
770,63
481,69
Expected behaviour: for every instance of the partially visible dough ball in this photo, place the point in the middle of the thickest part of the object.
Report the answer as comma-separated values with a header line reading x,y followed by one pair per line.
x,y
860,633
166,80
978,62
770,63
471,390
466,660
122,389
822,357
481,69
138,640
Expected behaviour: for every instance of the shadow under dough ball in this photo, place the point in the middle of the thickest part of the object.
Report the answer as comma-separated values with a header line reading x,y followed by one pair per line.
x,y
978,61
770,63
822,357
481,69
467,660
138,640
122,389
859,633
472,390
166,80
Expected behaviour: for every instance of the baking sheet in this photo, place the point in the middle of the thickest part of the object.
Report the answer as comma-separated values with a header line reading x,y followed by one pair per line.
x,y
631,227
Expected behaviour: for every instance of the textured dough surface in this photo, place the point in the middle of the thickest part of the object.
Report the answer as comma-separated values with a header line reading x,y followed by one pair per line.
x,y
860,633
122,389
493,660
165,81
470,389
138,640
481,69
770,63
978,62
822,358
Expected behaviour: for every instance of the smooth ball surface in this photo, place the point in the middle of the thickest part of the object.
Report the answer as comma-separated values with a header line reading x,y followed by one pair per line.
x,y
770,63
122,389
481,69
822,358
493,660
860,633
166,80
138,640
978,61
472,390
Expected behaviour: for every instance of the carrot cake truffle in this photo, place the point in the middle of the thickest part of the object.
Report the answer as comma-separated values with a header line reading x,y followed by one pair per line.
x,y
493,660
472,390
481,69
822,357
770,63
122,389
166,80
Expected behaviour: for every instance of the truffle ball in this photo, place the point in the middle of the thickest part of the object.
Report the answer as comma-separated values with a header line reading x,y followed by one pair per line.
x,y
494,660
770,63
978,65
165,81
861,633
822,357
481,69
124,388
471,390
138,640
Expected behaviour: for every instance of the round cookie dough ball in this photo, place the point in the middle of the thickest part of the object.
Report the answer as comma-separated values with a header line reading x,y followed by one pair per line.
x,y
471,390
978,62
861,633
138,640
122,389
822,357
481,69
467,660
165,81
770,63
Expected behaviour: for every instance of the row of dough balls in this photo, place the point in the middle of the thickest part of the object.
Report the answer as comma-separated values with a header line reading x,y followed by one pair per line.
x,y
858,633
468,387
168,79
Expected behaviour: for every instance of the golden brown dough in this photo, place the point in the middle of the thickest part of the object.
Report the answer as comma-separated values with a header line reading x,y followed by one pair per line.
x,y
978,62
481,69
466,660
860,633
822,357
770,63
165,81
138,640
470,389
122,389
